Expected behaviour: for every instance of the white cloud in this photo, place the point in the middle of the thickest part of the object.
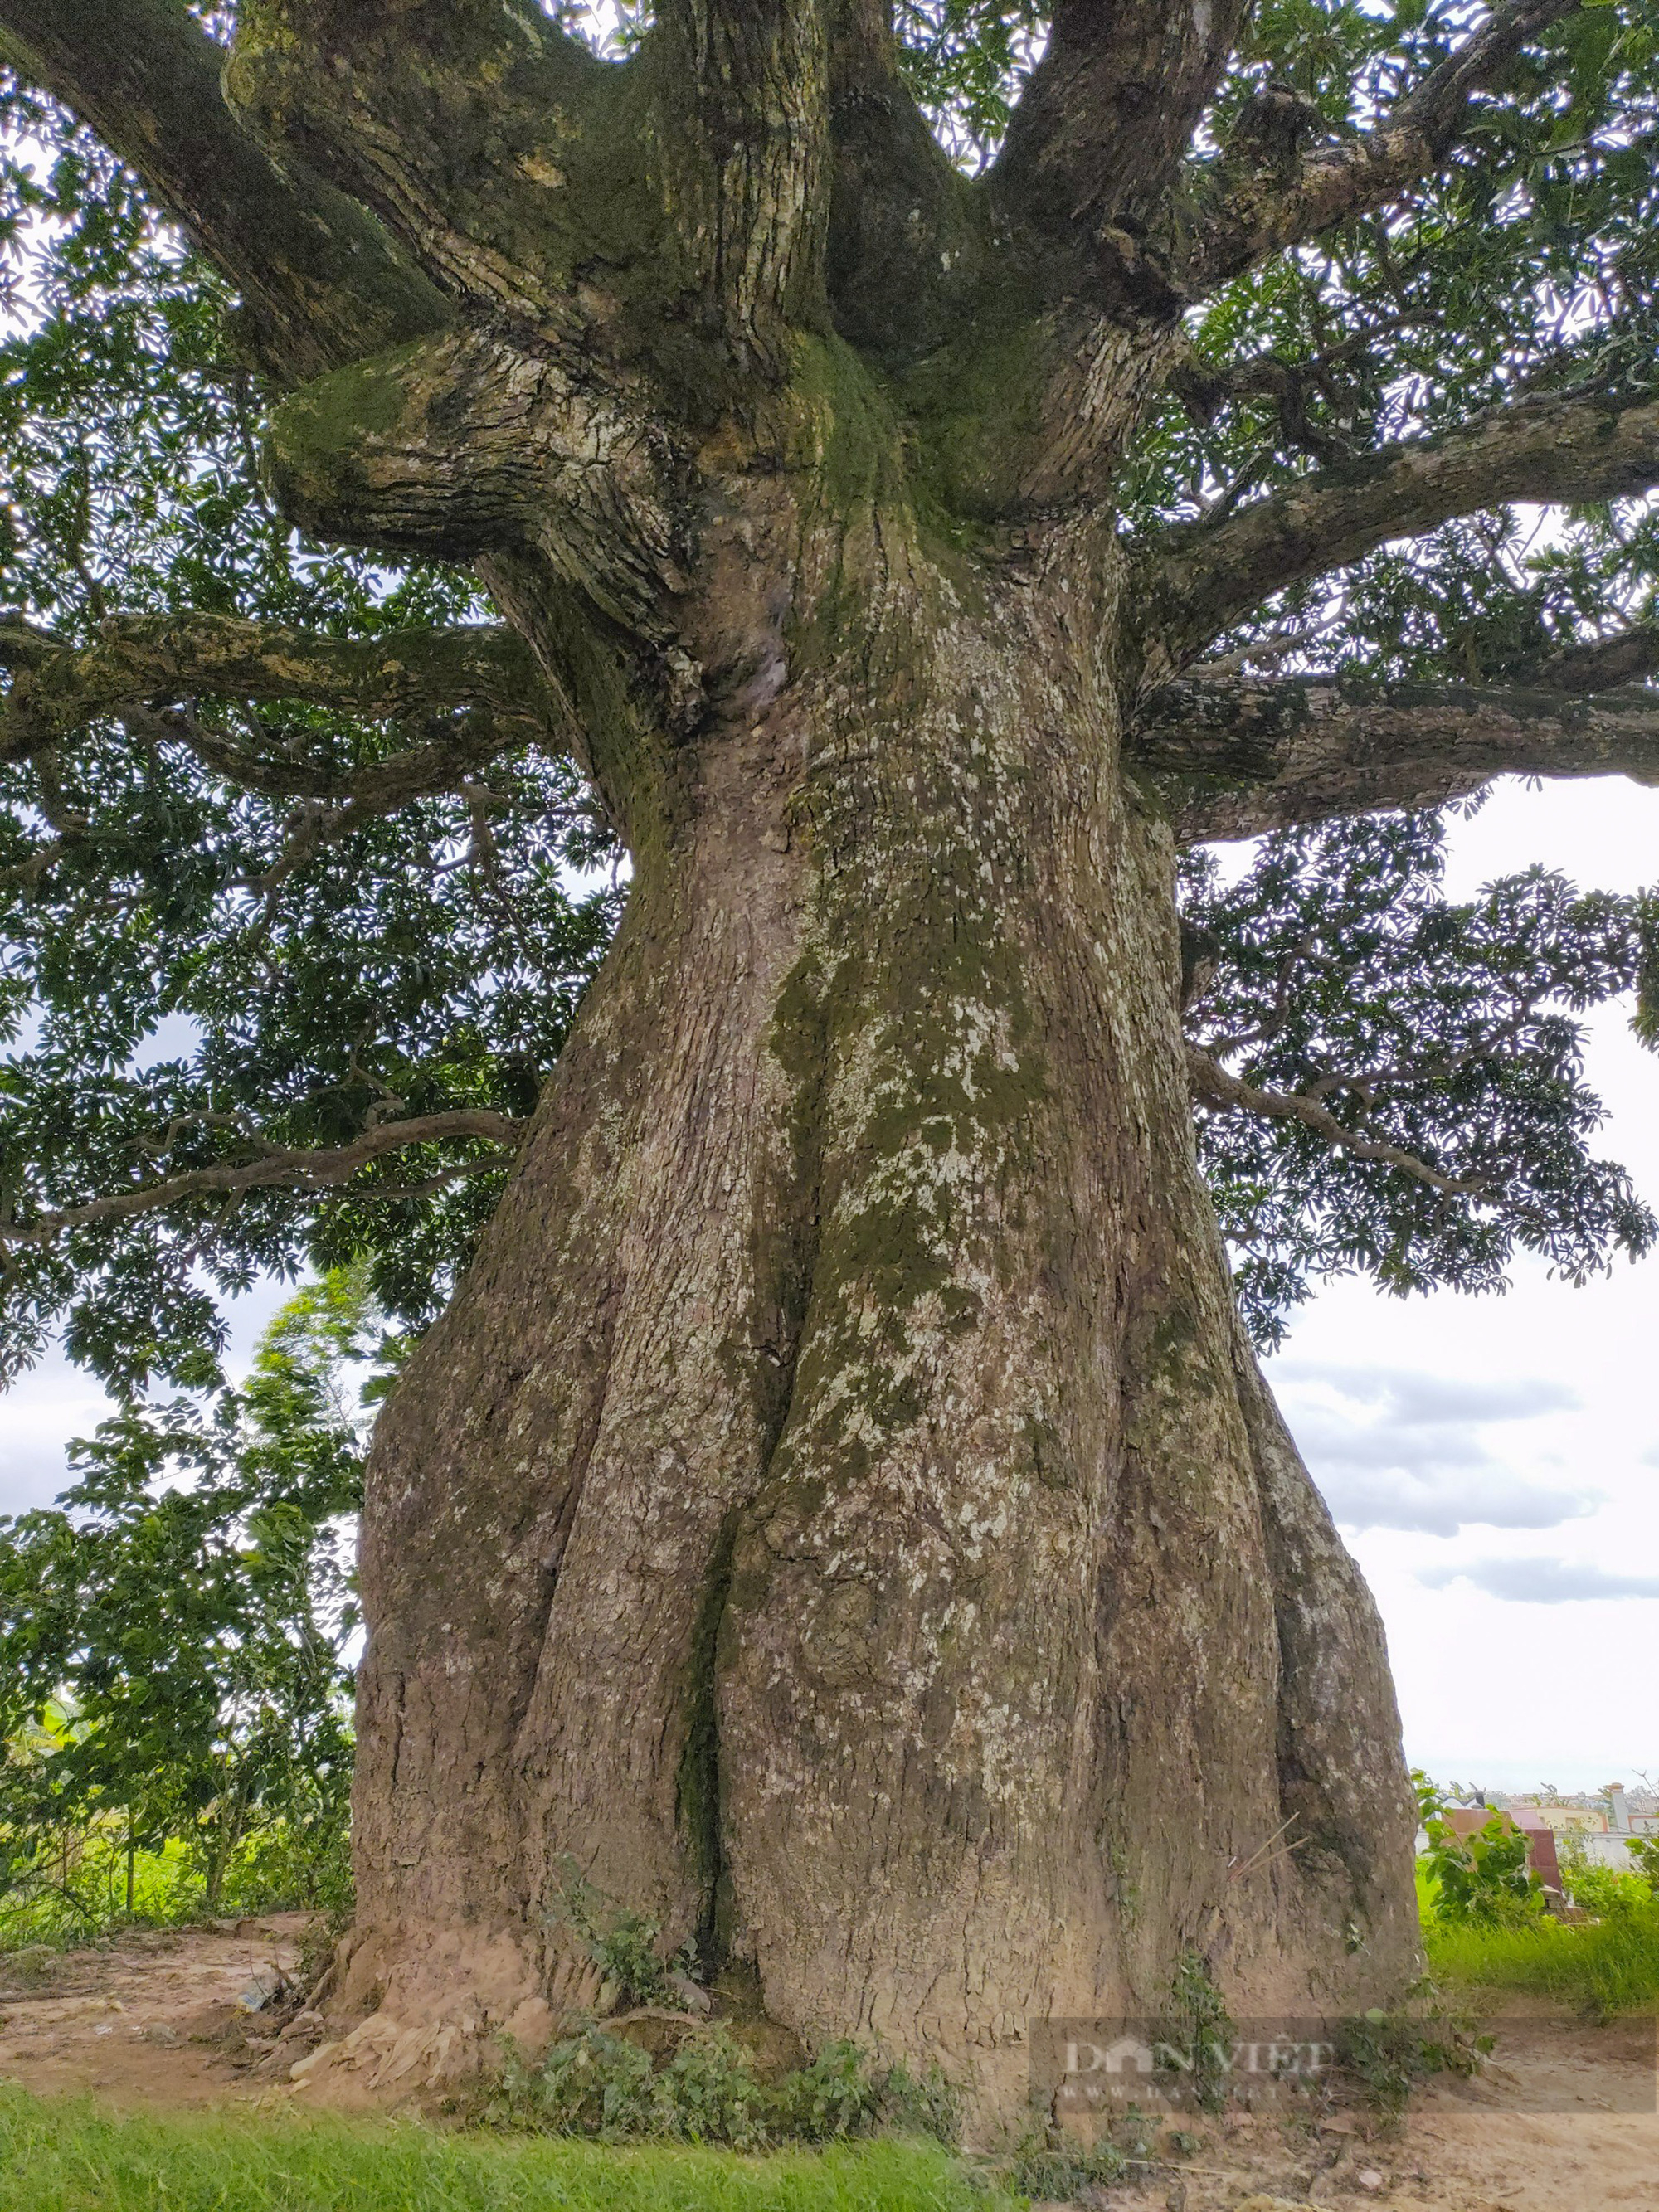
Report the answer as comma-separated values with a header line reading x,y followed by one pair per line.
x,y
1437,1503
1399,1448
39,1415
1542,1582
1410,1395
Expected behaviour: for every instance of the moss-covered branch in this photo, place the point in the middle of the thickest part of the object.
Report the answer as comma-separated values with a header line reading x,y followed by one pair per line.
x,y
157,660
1234,756
1198,579
321,280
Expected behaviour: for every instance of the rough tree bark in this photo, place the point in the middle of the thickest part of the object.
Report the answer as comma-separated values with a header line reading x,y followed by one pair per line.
x,y
840,1514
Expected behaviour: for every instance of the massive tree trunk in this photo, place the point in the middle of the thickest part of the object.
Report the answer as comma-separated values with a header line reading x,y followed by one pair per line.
x,y
840,1516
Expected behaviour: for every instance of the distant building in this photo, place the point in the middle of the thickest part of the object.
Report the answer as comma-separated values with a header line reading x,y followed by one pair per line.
x,y
1598,1828
1469,1820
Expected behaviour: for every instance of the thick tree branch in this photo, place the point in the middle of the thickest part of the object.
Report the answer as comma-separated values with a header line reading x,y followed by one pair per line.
x,y
1236,757
1213,1086
322,280
742,101
1265,202
288,1169
1198,579
158,660
1602,662
1110,108
904,254
472,442
465,125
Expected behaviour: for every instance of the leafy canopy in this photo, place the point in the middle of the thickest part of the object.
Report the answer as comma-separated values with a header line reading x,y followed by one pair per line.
x,y
191,971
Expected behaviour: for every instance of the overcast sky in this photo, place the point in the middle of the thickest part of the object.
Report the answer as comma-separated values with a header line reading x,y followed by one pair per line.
x,y
1494,1462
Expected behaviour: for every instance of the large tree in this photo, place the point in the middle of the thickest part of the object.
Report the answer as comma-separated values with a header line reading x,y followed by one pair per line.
x,y
908,476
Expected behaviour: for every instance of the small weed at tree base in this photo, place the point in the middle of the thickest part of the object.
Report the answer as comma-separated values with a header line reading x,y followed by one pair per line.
x,y
599,2084
1388,2054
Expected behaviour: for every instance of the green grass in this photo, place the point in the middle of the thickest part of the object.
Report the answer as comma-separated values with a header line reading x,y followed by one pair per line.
x,y
1604,1967
63,2155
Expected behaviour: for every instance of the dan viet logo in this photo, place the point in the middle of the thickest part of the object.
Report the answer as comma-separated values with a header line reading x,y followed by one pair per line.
x,y
1087,2065
1084,2067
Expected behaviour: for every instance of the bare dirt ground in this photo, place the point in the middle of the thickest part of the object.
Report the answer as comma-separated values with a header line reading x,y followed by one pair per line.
x,y
153,2019
1545,2127
160,2020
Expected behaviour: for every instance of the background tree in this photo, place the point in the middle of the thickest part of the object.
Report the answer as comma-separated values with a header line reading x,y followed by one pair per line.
x,y
839,1506
171,1666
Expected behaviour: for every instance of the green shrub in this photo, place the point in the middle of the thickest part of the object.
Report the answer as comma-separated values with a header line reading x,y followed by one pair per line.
x,y
1482,1879
592,2084
625,1945
1051,2166
88,1888
836,2095
601,2085
709,2093
1644,1860
1605,1891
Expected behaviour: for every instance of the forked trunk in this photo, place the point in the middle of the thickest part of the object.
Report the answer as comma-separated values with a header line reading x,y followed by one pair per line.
x,y
839,1515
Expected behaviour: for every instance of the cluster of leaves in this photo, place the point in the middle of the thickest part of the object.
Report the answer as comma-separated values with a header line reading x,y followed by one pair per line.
x,y
1603,1890
172,1663
1644,1853
965,61
185,977
1336,969
1530,266
1481,1879
710,2091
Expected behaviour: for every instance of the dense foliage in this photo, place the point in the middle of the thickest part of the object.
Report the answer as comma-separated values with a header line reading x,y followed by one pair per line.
x,y
1335,969
183,962
190,970
173,1668
1481,1879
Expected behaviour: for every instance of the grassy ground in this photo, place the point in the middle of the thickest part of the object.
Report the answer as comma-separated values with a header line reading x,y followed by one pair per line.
x,y
1603,1966
70,2157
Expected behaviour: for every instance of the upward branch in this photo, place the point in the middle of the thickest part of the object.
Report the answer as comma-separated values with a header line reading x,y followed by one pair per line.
x,y
1198,579
323,281
1110,107
1261,205
742,97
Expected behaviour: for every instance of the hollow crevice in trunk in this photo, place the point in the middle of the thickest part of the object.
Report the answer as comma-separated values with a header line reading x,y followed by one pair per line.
x,y
697,1785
